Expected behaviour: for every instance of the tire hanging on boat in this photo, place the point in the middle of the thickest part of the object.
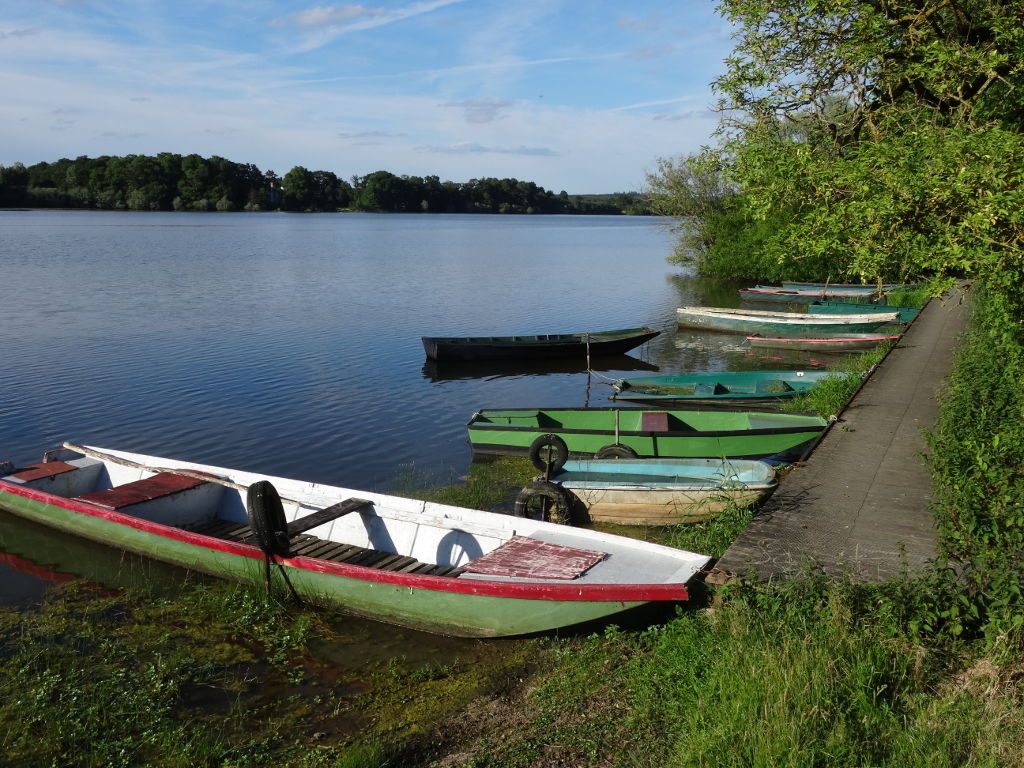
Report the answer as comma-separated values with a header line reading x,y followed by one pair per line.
x,y
266,516
616,451
541,458
544,500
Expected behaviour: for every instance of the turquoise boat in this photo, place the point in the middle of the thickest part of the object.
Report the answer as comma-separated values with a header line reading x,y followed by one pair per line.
x,y
722,389
904,314
751,321
429,566
634,432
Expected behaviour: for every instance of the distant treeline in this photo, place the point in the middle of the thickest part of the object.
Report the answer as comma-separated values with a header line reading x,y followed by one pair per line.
x,y
170,182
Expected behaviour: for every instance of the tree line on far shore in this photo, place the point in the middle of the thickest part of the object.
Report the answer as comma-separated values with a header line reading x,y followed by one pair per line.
x,y
171,182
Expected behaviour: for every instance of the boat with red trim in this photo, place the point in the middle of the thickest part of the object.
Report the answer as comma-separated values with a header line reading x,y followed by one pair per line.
x,y
429,566
847,342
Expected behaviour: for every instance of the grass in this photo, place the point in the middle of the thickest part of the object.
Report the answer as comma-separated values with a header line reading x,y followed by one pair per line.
x,y
829,396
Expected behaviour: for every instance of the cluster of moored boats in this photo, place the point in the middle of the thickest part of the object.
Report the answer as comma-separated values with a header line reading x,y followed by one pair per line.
x,y
459,571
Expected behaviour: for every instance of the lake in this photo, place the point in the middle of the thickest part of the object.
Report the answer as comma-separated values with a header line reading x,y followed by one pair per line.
x,y
290,343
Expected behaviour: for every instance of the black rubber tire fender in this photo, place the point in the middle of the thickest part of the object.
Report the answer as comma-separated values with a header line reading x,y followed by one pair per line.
x,y
549,440
266,516
544,500
616,451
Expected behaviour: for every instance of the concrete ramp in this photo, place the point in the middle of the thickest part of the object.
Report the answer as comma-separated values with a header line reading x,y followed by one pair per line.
x,y
859,504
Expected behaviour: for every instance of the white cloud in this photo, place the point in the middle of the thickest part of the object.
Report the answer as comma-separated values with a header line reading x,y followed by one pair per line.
x,y
481,110
478,149
333,21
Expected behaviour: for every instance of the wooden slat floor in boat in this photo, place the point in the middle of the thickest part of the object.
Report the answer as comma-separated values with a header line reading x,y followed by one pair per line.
x,y
310,546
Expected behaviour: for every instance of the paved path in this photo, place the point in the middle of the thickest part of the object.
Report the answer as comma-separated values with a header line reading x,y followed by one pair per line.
x,y
860,502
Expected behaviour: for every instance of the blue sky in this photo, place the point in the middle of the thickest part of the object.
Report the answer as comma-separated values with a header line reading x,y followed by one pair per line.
x,y
582,96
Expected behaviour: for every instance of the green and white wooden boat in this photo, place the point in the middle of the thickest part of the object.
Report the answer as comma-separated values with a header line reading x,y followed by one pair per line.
x,y
663,491
751,321
842,342
721,389
429,566
635,432
904,314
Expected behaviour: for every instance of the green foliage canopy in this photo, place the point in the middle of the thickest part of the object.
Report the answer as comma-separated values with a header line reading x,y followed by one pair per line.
x,y
868,139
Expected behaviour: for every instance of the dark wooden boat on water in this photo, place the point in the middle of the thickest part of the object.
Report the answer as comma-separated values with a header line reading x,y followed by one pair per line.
x,y
429,566
557,345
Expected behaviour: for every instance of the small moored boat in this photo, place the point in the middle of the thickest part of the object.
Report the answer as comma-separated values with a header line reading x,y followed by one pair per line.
x,y
661,491
772,293
722,389
903,314
637,433
837,343
428,566
557,345
780,323
862,287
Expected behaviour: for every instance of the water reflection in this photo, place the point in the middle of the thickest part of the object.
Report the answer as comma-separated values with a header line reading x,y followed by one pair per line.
x,y
487,369
36,557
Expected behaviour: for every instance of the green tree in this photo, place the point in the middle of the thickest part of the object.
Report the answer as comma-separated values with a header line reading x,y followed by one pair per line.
x,y
298,189
875,139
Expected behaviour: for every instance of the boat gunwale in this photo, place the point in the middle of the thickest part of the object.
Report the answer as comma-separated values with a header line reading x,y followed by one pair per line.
x,y
570,591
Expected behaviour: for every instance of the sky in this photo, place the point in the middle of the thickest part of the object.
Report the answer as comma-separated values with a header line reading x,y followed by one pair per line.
x,y
577,95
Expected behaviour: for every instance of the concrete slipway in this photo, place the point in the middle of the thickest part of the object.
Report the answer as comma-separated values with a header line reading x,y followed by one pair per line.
x,y
859,503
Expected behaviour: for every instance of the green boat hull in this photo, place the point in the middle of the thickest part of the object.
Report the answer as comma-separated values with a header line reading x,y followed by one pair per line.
x,y
449,613
671,433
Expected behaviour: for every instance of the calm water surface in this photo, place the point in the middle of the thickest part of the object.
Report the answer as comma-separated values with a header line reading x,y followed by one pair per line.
x,y
290,344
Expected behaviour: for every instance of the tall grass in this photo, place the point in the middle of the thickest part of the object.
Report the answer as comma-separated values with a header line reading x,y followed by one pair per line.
x,y
829,396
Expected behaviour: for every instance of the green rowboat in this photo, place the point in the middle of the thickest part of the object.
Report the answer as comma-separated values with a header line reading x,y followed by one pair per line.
x,y
634,432
723,389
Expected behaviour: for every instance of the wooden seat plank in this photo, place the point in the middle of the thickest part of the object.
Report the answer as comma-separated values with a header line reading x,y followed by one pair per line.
x,y
397,565
39,471
147,489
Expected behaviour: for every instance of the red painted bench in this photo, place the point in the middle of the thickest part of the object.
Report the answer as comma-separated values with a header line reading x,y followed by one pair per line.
x,y
147,489
39,471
